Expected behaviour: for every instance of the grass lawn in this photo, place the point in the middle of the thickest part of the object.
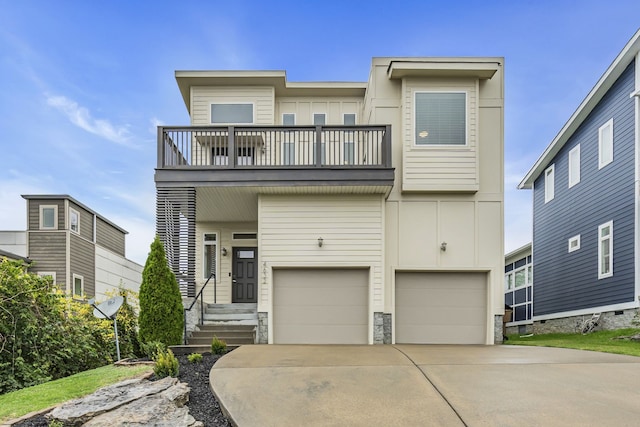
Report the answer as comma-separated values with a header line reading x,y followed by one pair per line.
x,y
602,341
21,402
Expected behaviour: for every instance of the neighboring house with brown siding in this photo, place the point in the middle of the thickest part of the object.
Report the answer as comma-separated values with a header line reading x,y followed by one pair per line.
x,y
81,250
343,213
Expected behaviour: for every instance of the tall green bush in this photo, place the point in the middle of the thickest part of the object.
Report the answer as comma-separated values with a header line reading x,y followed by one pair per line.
x,y
161,310
44,334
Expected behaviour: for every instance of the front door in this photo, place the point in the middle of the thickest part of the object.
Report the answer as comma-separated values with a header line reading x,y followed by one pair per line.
x,y
245,275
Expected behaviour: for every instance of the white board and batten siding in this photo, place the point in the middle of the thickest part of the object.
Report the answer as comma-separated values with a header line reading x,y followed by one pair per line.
x,y
113,271
304,108
352,232
439,168
262,98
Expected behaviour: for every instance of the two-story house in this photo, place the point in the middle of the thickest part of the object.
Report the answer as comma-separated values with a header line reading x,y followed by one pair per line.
x,y
81,250
586,198
355,213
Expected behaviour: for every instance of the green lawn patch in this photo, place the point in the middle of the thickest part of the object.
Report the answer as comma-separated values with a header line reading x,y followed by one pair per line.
x,y
18,403
603,341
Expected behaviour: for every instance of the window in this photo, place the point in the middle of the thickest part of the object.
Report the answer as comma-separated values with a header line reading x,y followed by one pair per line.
x,y
244,236
508,281
74,220
231,113
440,118
605,144
210,243
520,277
549,185
574,243
49,274
288,119
78,286
574,166
319,119
349,119
605,250
48,217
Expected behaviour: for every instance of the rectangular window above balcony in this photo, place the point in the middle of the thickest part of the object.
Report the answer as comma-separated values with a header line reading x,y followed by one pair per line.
x,y
231,113
440,118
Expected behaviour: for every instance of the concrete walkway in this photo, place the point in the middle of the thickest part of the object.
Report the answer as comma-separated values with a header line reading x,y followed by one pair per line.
x,y
414,385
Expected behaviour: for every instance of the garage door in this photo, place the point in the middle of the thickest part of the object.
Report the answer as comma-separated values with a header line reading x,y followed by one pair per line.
x,y
317,306
441,308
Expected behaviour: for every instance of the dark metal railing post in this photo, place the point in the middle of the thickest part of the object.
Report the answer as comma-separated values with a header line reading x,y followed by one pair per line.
x,y
231,149
386,160
160,147
318,146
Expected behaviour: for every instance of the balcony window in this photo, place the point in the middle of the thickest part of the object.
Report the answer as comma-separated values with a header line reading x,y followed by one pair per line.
x,y
349,119
288,119
440,118
319,119
231,113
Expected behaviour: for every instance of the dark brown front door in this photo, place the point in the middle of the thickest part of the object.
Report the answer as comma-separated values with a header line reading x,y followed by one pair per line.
x,y
245,275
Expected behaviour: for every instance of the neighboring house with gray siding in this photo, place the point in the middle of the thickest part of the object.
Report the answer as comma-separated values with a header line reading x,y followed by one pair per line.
x,y
81,250
342,212
586,198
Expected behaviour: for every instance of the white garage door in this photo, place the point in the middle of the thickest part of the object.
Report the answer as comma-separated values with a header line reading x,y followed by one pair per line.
x,y
441,308
318,306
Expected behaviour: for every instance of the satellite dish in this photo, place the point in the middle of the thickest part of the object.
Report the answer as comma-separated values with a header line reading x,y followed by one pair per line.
x,y
109,308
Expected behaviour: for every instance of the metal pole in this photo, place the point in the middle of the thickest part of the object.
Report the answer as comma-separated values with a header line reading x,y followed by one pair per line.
x,y
115,328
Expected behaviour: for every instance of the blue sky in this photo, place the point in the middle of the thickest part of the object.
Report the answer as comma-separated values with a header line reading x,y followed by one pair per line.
x,y
85,83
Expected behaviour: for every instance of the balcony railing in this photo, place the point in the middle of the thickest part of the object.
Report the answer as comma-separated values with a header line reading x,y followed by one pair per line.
x,y
264,147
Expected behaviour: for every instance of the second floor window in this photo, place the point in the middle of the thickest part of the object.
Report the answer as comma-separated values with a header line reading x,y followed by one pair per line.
x,y
605,144
549,184
74,221
574,166
231,113
48,217
440,118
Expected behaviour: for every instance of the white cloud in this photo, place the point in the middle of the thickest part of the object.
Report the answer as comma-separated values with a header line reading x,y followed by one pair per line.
x,y
81,117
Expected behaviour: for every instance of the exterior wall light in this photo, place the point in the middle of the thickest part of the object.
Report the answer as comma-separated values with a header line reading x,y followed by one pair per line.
x,y
443,246
320,242
224,251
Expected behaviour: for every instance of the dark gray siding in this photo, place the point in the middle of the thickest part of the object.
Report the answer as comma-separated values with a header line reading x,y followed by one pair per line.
x,y
33,209
48,251
109,237
83,262
86,221
569,281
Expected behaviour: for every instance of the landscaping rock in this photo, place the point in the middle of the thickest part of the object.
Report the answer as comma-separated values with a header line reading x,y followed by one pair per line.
x,y
106,399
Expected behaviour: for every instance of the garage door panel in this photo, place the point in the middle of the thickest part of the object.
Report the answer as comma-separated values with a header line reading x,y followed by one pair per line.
x,y
320,306
441,308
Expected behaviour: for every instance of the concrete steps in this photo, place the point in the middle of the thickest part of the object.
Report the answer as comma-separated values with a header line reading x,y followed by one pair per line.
x,y
231,314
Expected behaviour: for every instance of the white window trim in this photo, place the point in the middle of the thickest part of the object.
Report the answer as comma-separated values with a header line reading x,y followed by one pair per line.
x,y
576,247
73,285
602,275
601,162
217,253
71,212
48,273
294,119
253,113
355,118
55,217
466,120
313,118
549,184
573,154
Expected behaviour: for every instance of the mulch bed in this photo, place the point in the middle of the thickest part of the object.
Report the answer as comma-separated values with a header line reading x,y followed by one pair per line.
x,y
203,406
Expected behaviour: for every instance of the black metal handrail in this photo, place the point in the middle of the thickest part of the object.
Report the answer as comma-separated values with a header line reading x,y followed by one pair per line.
x,y
198,296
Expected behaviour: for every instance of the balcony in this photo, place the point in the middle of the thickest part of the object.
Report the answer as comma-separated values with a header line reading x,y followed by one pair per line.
x,y
354,156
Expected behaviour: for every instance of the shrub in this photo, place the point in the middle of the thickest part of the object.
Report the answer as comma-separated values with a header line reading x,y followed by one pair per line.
x,y
153,348
218,346
161,310
195,358
166,365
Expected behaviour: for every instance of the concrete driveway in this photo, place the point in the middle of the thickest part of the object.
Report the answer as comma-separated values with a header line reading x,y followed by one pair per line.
x,y
426,385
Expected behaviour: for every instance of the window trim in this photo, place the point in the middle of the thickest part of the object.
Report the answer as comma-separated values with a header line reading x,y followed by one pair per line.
x,y
73,286
575,238
573,154
253,113
290,114
601,274
55,217
466,120
609,124
217,253
549,183
71,212
313,118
